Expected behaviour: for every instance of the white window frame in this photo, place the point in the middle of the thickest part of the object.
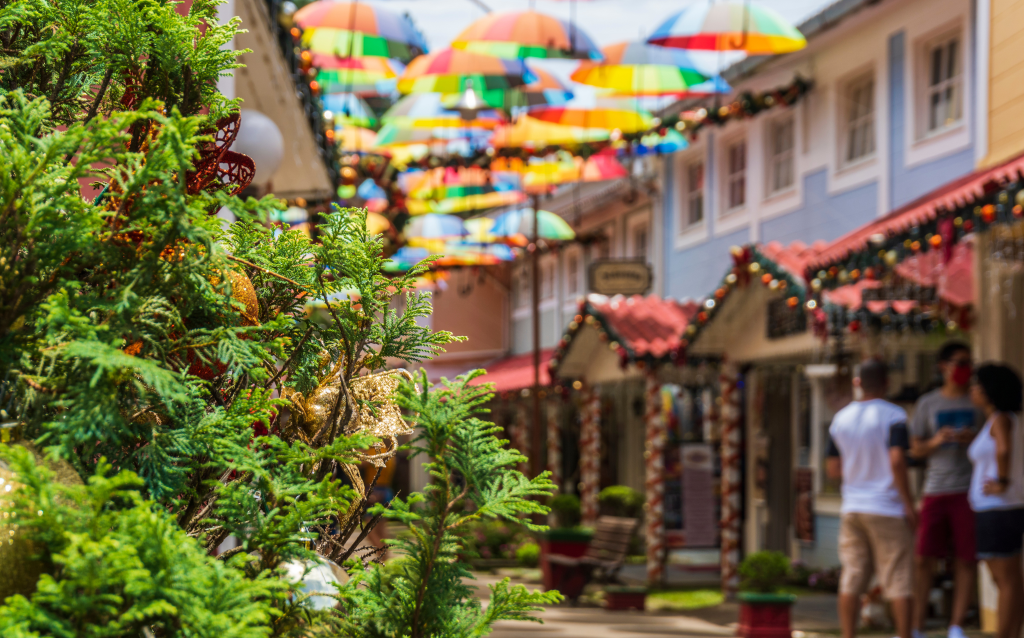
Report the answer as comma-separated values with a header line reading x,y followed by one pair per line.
x,y
774,158
925,88
687,236
729,177
846,125
686,220
635,223
548,279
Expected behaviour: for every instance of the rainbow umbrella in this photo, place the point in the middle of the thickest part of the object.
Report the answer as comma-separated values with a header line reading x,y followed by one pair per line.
x,y
434,226
728,26
394,135
529,132
427,110
609,119
384,67
454,71
349,109
354,138
465,203
546,90
362,30
376,223
526,34
636,68
358,81
520,222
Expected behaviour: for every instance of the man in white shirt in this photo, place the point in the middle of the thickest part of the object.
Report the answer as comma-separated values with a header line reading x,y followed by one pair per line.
x,y
868,451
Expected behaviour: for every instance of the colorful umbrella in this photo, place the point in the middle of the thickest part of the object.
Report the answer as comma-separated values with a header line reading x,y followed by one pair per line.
x,y
635,68
546,90
454,71
426,110
362,30
610,119
349,109
383,67
354,138
394,135
358,81
540,176
465,203
529,132
520,222
526,34
432,226
376,223
729,26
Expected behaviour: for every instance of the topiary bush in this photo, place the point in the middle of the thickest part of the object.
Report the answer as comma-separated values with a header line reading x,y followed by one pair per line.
x,y
528,554
620,500
764,572
566,508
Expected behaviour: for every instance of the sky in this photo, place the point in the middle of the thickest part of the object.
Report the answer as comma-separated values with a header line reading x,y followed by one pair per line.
x,y
606,21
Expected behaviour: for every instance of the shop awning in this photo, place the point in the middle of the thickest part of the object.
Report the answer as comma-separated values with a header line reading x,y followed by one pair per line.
x,y
516,372
961,193
953,281
629,328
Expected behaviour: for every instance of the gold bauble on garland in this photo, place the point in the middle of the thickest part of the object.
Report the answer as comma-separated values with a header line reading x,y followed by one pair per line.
x,y
19,572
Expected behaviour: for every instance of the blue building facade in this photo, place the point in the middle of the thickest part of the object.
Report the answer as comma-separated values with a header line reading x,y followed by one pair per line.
x,y
889,119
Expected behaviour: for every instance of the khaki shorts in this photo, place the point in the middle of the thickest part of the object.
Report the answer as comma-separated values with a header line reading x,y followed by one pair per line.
x,y
870,544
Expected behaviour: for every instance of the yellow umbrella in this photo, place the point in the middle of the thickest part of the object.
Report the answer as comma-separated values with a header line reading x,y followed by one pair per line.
x,y
528,132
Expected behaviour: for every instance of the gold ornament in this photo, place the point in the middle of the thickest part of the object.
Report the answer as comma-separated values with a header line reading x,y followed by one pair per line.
x,y
20,571
242,290
379,414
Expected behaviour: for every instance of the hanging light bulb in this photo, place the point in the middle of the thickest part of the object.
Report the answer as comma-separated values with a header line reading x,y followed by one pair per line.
x,y
470,103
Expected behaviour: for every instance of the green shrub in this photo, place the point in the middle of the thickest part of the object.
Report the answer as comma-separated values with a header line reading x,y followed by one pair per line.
x,y
764,572
528,554
494,539
567,510
620,500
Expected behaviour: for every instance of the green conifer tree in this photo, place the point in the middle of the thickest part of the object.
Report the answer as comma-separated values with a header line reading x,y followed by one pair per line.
x,y
143,346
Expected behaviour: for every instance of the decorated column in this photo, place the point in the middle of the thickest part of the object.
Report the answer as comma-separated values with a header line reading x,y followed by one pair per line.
x,y
731,478
554,464
590,454
654,455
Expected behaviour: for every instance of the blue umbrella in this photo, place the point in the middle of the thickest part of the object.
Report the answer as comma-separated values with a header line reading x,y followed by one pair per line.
x,y
435,226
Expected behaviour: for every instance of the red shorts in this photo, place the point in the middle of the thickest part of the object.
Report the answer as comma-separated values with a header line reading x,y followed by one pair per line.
x,y
946,523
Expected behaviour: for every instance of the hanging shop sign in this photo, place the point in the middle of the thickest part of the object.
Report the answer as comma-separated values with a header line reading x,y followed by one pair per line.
x,y
619,277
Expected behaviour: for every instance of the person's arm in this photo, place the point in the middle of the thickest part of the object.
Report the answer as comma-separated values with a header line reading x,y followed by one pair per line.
x,y
898,445
1001,433
922,445
833,463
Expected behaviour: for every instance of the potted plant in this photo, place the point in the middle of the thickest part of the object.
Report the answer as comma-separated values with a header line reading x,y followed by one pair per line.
x,y
565,537
764,609
621,500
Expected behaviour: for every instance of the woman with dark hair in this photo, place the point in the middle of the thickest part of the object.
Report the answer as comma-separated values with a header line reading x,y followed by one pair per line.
x,y
997,489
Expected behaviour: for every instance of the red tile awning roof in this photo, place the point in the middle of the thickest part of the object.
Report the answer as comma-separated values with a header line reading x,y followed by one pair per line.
x,y
794,257
953,280
516,372
956,194
648,327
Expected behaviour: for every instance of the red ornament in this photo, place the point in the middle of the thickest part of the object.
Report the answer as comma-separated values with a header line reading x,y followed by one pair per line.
x,y
702,317
766,279
935,240
719,293
855,326
1018,210
988,213
869,273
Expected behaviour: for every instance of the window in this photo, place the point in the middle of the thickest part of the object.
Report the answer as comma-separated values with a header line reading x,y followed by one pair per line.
x,y
572,268
860,120
736,175
640,241
694,194
780,154
943,94
521,289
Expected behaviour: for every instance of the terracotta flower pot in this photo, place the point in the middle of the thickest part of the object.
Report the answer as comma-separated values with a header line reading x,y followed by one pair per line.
x,y
567,542
765,615
623,598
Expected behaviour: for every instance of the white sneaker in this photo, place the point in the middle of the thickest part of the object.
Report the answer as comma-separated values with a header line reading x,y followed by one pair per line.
x,y
956,632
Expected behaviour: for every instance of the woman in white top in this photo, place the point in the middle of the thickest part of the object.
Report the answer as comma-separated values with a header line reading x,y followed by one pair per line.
x,y
997,489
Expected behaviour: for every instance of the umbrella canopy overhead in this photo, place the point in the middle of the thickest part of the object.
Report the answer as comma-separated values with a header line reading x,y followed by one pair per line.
x,y
394,135
465,203
433,226
454,71
610,119
536,177
636,68
526,34
354,138
729,26
359,29
359,81
529,132
427,110
349,109
520,223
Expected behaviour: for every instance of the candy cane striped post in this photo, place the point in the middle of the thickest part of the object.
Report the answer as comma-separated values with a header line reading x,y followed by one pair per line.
x,y
554,445
590,455
731,478
654,455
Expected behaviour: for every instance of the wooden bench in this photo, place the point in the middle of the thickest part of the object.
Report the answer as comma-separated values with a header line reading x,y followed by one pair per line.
x,y
602,561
